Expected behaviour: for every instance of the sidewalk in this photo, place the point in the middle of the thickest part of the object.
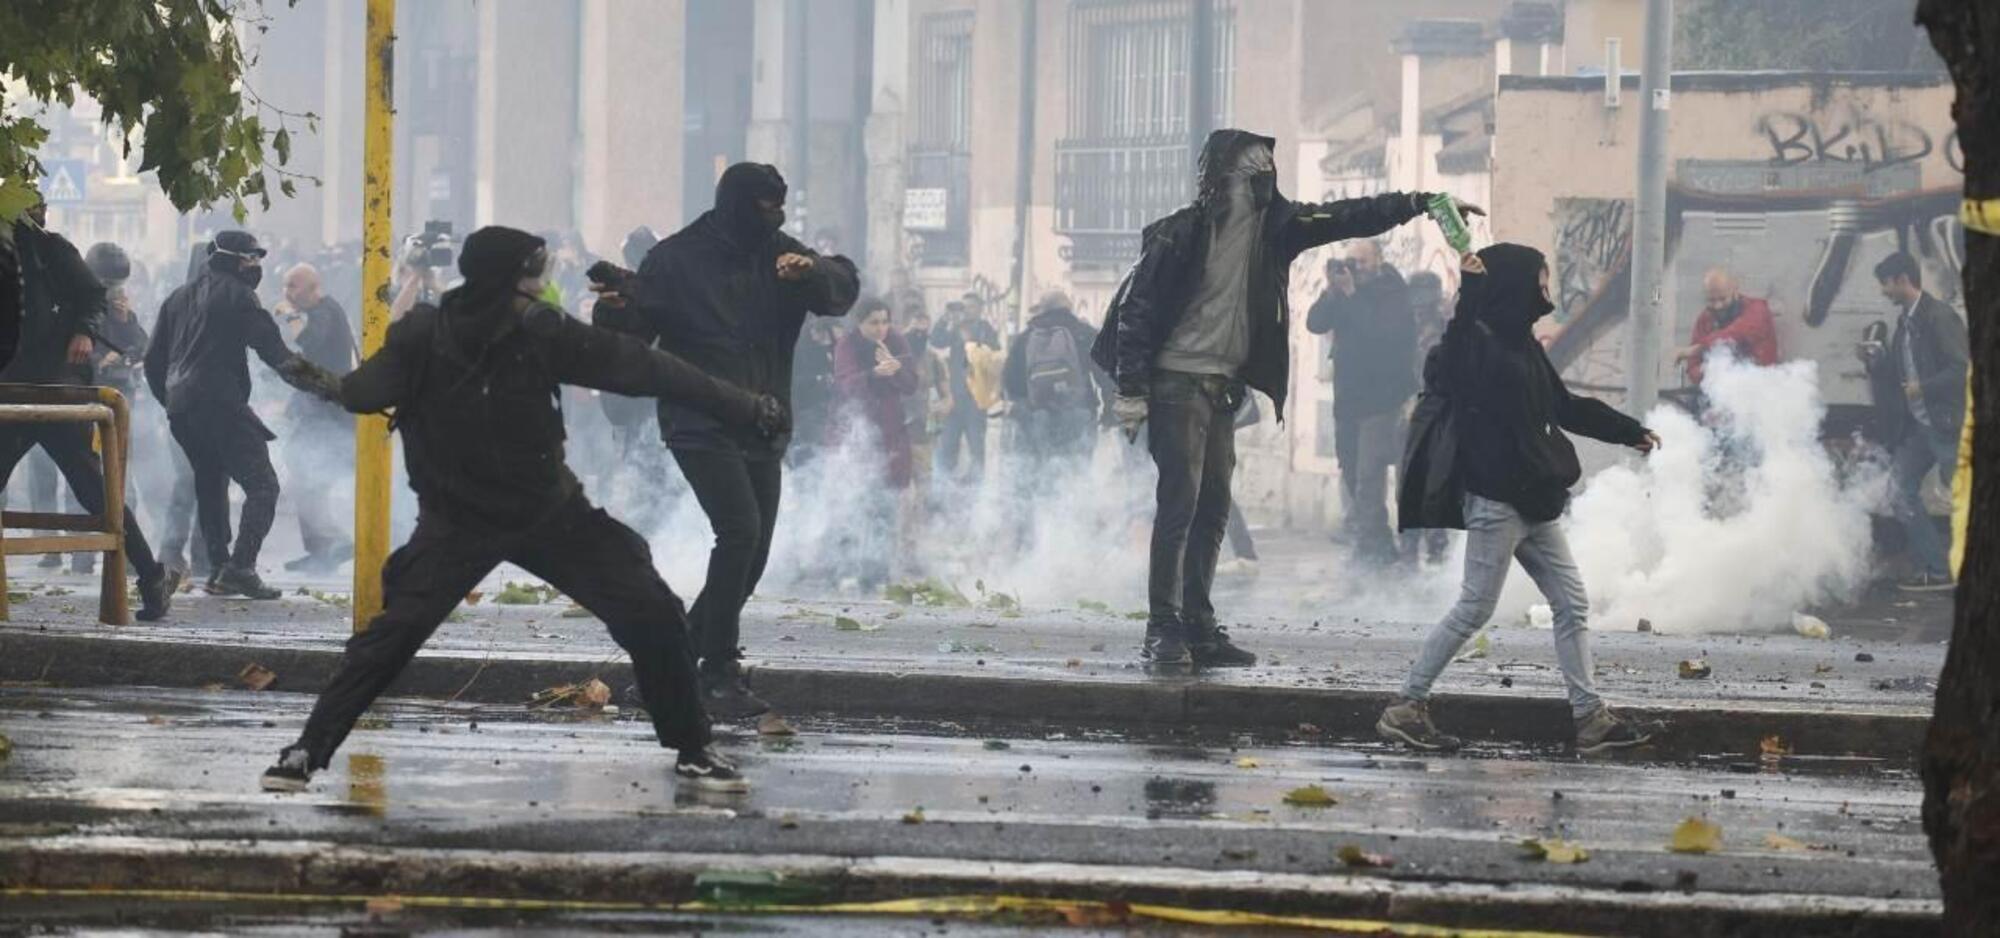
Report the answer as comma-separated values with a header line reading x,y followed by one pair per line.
x,y
1074,667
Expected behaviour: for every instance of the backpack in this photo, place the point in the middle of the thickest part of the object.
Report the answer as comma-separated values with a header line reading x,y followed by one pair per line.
x,y
1055,369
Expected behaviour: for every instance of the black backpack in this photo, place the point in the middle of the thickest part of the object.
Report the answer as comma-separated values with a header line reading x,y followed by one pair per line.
x,y
1056,375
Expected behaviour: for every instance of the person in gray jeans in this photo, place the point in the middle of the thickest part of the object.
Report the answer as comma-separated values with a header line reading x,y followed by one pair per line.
x,y
1510,466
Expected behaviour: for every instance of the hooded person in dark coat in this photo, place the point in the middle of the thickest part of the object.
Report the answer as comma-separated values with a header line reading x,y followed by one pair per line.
x,y
1493,398
1051,383
729,293
472,385
1200,317
196,368
62,310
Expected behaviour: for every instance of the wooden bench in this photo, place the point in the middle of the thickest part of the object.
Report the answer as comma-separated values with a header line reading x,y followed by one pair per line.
x,y
106,410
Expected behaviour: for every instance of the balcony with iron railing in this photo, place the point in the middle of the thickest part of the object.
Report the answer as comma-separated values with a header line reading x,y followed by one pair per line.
x,y
950,171
1107,191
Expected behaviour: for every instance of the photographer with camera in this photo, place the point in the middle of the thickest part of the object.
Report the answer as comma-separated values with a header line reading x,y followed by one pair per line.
x,y
420,278
1366,308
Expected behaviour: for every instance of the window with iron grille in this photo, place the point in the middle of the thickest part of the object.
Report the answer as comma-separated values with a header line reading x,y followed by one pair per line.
x,y
1127,158
938,164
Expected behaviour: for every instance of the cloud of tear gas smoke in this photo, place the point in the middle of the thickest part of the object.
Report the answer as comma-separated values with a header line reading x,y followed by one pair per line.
x,y
1735,524
1045,534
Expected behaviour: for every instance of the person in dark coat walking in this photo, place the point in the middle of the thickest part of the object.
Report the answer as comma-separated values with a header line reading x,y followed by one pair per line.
x,y
1366,308
197,369
62,309
1202,316
1918,383
471,385
1493,398
1051,384
320,452
729,294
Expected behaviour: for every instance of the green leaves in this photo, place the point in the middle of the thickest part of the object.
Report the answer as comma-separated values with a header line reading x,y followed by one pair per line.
x,y
171,69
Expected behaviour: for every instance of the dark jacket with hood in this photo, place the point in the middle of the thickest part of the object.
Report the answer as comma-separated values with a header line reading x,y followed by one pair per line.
x,y
196,366
710,294
474,385
1374,344
626,413
1937,341
60,300
1494,408
1156,292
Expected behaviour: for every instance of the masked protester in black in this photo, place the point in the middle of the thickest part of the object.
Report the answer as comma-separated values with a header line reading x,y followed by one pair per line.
x,y
473,386
729,293
197,369
62,309
1201,316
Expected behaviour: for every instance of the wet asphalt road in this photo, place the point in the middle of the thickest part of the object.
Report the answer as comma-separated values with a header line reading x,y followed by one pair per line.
x,y
184,765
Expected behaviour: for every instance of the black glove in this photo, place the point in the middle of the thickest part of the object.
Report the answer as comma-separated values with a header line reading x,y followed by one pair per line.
x,y
773,419
310,378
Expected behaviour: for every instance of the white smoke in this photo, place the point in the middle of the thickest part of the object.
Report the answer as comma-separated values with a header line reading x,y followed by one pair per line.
x,y
1736,523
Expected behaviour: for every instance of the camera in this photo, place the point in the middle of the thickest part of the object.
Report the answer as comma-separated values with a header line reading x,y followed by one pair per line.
x,y
432,249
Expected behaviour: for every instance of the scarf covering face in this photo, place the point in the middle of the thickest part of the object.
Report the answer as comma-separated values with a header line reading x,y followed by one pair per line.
x,y
1509,298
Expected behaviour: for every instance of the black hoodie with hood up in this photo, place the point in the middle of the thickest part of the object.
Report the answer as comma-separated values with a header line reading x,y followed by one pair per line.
x,y
1155,294
710,294
1508,403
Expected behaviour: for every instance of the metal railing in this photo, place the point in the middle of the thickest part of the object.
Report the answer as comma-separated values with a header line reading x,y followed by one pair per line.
x,y
106,411
1107,191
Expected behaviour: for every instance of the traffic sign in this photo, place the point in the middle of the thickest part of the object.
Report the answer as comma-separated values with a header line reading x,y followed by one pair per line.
x,y
63,181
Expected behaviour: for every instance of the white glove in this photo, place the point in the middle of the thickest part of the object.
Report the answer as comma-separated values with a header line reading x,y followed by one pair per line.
x,y
1130,413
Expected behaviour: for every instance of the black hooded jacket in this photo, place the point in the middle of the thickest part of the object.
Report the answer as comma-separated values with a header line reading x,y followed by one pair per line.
x,y
1155,294
474,385
1374,344
1509,403
196,364
1014,374
710,294
60,300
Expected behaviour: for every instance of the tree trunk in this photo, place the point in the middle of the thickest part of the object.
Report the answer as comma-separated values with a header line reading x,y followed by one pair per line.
x,y
1961,762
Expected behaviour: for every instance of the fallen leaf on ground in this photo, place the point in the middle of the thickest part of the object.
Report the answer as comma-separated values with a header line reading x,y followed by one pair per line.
x,y
916,816
473,598
1091,605
214,686
1781,842
1822,669
1310,796
1774,745
156,719
1555,851
846,624
1355,856
594,693
997,744
771,724
1073,663
1696,835
1693,668
1481,647
576,612
6,746
256,677
1246,763
519,594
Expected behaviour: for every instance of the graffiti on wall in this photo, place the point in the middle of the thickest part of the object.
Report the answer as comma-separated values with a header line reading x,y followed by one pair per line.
x,y
1855,138
1593,246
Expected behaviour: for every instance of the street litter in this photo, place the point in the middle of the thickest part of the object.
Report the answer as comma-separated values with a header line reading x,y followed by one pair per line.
x,y
1696,835
1554,851
257,677
1694,668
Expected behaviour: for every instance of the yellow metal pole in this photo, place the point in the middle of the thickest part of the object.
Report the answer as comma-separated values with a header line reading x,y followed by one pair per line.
x,y
371,450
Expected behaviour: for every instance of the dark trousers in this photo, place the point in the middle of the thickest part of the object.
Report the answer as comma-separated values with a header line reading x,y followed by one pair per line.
x,y
1366,445
180,516
68,446
740,497
603,565
222,449
1240,540
966,424
1191,432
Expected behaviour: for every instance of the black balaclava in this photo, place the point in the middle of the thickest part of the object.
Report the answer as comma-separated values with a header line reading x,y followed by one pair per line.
x,y
495,257
1238,157
1509,299
736,197
228,251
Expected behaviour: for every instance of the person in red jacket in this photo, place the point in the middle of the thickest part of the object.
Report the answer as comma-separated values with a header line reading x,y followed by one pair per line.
x,y
1729,318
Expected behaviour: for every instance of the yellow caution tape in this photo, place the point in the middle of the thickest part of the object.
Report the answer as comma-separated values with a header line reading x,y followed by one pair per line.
x,y
1081,911
1961,484
1981,215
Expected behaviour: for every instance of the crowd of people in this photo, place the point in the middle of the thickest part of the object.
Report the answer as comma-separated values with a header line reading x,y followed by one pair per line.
x,y
752,357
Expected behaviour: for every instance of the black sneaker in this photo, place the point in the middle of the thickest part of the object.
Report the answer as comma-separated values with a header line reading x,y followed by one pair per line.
x,y
1165,647
707,770
237,581
290,773
1603,731
1211,648
1409,722
156,596
727,696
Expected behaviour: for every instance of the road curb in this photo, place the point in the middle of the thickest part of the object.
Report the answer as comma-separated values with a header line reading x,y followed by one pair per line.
x,y
875,692
302,872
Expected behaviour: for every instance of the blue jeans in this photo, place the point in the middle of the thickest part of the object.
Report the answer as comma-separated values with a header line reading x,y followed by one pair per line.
x,y
1496,534
1921,448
